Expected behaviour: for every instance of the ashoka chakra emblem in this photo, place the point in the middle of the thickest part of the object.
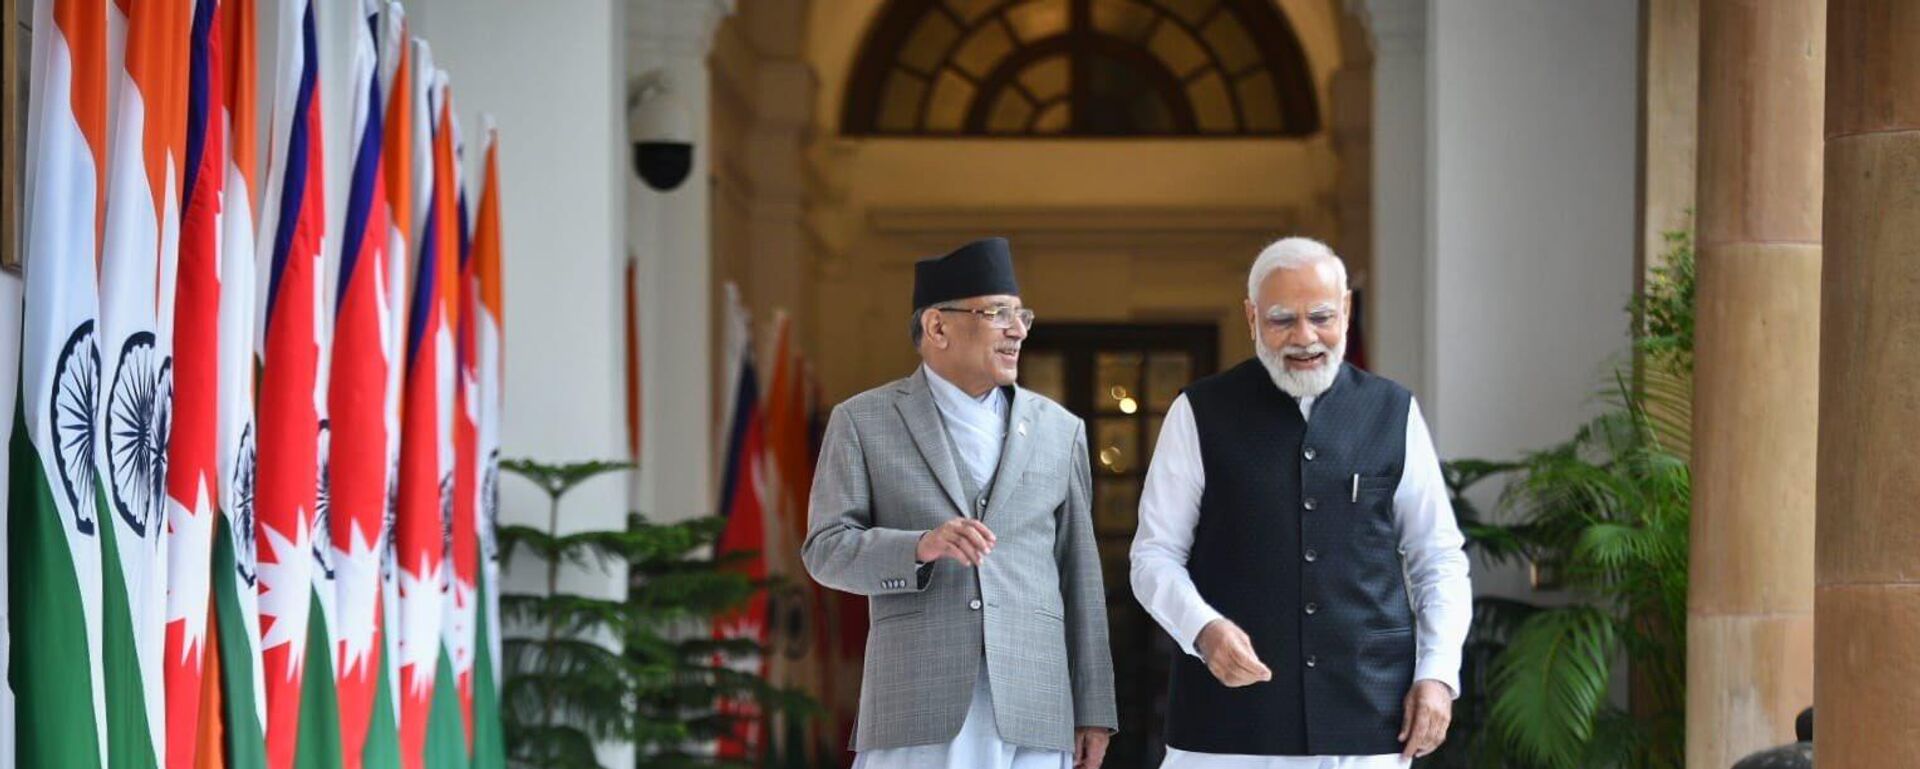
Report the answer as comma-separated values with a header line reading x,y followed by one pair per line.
x,y
323,506
490,509
76,399
139,417
446,520
244,545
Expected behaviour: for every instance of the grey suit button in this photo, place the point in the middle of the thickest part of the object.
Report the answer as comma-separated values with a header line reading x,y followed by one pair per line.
x,y
1310,453
1310,504
1312,661
974,604
1311,555
1312,608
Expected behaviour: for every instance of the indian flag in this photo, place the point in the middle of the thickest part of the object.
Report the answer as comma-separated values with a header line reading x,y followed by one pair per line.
x,y
382,749
289,410
138,262
446,744
358,410
426,451
235,574
55,502
338,28
448,726
193,451
488,310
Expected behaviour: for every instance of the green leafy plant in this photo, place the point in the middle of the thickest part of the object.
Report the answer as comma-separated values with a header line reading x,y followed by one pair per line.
x,y
637,669
1605,517
1608,514
1663,312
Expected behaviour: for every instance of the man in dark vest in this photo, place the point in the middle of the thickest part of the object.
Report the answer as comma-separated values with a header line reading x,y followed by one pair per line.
x,y
1297,541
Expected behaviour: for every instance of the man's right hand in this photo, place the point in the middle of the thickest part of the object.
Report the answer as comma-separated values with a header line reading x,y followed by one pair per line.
x,y
1228,653
962,539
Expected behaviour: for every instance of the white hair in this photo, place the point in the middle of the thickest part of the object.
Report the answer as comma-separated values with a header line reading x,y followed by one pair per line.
x,y
1292,254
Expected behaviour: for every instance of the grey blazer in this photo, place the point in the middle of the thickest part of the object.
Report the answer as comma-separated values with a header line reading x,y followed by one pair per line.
x,y
1034,611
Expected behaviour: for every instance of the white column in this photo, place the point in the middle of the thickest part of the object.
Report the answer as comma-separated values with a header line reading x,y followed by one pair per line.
x,y
1533,112
670,238
1401,317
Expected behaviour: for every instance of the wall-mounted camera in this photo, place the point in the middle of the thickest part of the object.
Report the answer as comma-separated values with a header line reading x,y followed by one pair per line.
x,y
660,125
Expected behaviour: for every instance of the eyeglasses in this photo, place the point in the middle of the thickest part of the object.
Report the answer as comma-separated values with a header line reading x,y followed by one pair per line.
x,y
999,315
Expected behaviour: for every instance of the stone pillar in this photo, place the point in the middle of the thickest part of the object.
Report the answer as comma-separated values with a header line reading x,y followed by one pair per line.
x,y
782,254
1669,120
669,39
765,87
1868,588
1401,315
1756,386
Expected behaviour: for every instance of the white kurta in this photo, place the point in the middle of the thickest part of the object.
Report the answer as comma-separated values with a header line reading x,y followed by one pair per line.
x,y
1430,541
977,746
1182,760
977,428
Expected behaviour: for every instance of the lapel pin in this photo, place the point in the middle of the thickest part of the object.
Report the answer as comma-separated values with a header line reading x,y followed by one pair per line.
x,y
1022,429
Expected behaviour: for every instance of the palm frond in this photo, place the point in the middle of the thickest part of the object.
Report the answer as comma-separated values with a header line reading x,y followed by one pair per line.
x,y
1550,685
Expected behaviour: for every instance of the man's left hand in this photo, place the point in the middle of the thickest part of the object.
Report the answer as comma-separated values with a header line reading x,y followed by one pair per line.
x,y
1429,709
1089,747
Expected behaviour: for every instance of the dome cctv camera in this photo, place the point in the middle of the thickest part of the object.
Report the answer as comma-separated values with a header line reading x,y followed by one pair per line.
x,y
661,128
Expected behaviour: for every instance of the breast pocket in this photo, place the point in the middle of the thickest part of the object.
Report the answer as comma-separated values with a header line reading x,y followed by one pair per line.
x,y
1377,484
1045,484
1372,498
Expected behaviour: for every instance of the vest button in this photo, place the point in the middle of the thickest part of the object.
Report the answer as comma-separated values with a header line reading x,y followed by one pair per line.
x,y
974,604
1310,504
1312,661
1310,453
1312,607
1311,555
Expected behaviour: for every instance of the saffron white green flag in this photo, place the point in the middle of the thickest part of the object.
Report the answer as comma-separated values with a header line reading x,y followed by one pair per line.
x,y
55,509
489,743
236,572
144,171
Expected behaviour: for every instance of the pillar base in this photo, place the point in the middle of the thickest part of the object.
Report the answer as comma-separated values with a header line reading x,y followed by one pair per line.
x,y
1746,681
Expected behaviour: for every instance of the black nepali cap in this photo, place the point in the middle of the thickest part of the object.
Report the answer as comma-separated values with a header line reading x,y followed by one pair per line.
x,y
981,268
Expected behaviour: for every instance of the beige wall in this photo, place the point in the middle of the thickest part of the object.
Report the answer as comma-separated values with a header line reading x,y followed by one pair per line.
x,y
1107,230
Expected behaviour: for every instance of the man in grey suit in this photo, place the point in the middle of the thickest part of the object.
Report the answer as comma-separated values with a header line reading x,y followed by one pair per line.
x,y
958,503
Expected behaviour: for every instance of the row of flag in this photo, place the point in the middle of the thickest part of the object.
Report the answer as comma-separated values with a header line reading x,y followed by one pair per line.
x,y
814,639
251,495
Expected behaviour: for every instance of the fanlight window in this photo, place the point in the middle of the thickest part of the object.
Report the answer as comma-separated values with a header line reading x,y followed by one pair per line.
x,y
1081,68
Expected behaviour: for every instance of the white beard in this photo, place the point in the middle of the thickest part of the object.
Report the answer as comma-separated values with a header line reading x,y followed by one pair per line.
x,y
1302,384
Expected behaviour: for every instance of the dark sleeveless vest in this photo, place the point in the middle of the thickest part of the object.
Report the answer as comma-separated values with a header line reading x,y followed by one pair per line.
x,y
1305,560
